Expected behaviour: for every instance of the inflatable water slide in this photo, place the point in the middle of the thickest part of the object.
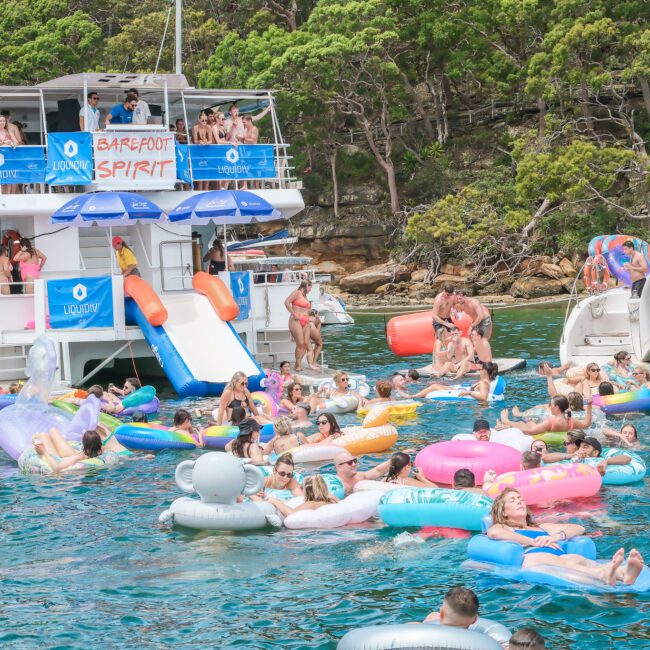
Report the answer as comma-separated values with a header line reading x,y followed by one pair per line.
x,y
191,334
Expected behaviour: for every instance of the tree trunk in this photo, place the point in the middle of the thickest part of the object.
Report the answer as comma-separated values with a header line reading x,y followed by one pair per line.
x,y
645,89
586,108
546,204
335,185
541,124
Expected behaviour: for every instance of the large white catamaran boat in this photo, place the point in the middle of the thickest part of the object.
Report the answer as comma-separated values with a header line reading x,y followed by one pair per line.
x,y
61,163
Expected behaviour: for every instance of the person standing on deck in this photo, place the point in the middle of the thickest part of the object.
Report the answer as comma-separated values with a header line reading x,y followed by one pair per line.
x,y
638,268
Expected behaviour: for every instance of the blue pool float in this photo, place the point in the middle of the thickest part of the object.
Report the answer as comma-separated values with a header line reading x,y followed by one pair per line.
x,y
434,507
333,484
496,392
7,400
505,559
620,474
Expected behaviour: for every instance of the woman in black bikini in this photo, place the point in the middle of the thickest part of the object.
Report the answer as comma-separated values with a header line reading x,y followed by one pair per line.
x,y
216,259
235,394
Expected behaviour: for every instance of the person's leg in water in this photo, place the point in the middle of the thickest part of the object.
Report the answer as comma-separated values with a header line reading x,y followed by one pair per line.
x,y
608,573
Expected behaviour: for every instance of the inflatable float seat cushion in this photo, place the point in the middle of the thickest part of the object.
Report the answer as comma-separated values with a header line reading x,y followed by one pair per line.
x,y
483,549
499,386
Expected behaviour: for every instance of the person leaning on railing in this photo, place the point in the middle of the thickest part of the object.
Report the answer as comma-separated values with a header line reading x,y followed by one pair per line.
x,y
5,272
125,258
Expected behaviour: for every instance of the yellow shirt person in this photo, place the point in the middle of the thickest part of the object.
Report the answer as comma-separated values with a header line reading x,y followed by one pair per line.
x,y
125,258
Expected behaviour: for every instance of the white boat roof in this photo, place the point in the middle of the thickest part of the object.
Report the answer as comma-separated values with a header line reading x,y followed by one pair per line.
x,y
117,80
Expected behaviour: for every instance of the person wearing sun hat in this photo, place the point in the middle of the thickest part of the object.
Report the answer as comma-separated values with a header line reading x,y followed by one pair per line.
x,y
246,444
125,258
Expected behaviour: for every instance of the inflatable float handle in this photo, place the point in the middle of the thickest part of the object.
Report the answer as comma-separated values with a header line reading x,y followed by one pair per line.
x,y
183,476
215,290
146,299
254,479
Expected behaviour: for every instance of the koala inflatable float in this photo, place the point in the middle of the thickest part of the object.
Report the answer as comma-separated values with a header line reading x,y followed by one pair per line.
x,y
220,478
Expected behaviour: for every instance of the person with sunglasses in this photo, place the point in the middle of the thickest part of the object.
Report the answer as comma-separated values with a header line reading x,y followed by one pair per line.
x,y
89,113
620,371
400,469
235,394
298,406
131,384
572,440
123,113
283,476
590,380
317,495
285,438
341,382
202,134
346,469
328,429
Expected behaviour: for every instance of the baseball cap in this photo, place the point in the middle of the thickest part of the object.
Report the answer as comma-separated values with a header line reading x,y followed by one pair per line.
x,y
594,443
481,424
117,240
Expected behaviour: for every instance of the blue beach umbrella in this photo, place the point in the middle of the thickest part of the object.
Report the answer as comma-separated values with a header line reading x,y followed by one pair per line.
x,y
224,207
109,208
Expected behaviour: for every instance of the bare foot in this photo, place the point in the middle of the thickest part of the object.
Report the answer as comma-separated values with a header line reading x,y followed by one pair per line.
x,y
516,411
609,570
633,567
314,367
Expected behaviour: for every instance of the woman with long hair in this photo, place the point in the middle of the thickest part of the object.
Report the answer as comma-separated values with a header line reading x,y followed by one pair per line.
x,y
299,325
202,134
316,496
328,429
60,455
283,476
511,522
216,258
5,272
560,420
246,444
235,394
30,261
399,472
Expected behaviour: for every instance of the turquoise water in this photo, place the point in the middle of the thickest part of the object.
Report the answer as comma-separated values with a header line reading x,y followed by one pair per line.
x,y
84,560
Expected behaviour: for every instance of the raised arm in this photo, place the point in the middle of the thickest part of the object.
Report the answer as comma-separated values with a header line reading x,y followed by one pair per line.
x,y
376,472
263,113
586,423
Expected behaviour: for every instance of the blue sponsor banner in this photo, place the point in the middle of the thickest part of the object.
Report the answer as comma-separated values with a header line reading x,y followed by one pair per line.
x,y
240,287
69,159
22,165
80,303
183,163
227,162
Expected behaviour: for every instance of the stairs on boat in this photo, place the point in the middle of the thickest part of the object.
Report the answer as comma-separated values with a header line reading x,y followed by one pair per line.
x,y
274,347
95,248
13,361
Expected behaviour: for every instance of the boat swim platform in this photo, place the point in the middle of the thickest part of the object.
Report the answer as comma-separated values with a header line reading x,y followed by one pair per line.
x,y
506,364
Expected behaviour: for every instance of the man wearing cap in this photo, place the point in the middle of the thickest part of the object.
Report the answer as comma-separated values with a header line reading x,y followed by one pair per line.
x,y
125,258
482,430
591,448
141,114
346,469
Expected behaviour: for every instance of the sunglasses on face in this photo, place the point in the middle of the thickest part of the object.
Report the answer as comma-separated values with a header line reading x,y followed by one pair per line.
x,y
594,369
319,422
284,474
352,462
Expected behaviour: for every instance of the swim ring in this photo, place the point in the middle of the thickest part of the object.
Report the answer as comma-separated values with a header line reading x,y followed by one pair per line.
x,y
434,507
217,437
397,408
627,402
517,439
340,404
148,408
333,482
30,462
145,436
219,479
356,440
138,397
620,474
7,400
549,483
441,460
354,509
496,392
595,273
264,402
505,559
377,417
596,245
484,634
612,248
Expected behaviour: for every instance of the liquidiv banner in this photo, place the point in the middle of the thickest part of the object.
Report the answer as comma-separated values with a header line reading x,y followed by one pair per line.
x,y
183,163
128,160
69,159
225,162
80,303
24,164
240,287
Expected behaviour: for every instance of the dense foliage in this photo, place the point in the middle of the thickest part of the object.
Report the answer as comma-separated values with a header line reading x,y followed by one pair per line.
x,y
562,85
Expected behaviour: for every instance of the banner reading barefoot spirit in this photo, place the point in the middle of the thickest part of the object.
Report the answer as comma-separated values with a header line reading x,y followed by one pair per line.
x,y
135,160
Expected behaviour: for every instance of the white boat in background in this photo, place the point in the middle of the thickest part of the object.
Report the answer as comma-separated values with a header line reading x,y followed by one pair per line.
x,y
331,309
603,324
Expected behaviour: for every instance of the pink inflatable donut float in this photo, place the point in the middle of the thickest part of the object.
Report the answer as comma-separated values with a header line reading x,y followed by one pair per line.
x,y
549,483
442,460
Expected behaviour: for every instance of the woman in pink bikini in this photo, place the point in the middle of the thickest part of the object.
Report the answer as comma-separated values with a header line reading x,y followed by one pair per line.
x,y
31,262
299,324
8,139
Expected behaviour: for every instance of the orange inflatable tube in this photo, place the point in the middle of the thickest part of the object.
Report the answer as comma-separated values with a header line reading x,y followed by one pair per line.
x,y
218,294
146,298
411,334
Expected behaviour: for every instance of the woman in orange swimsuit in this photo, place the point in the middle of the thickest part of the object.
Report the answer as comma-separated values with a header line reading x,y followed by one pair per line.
x,y
299,324
31,262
